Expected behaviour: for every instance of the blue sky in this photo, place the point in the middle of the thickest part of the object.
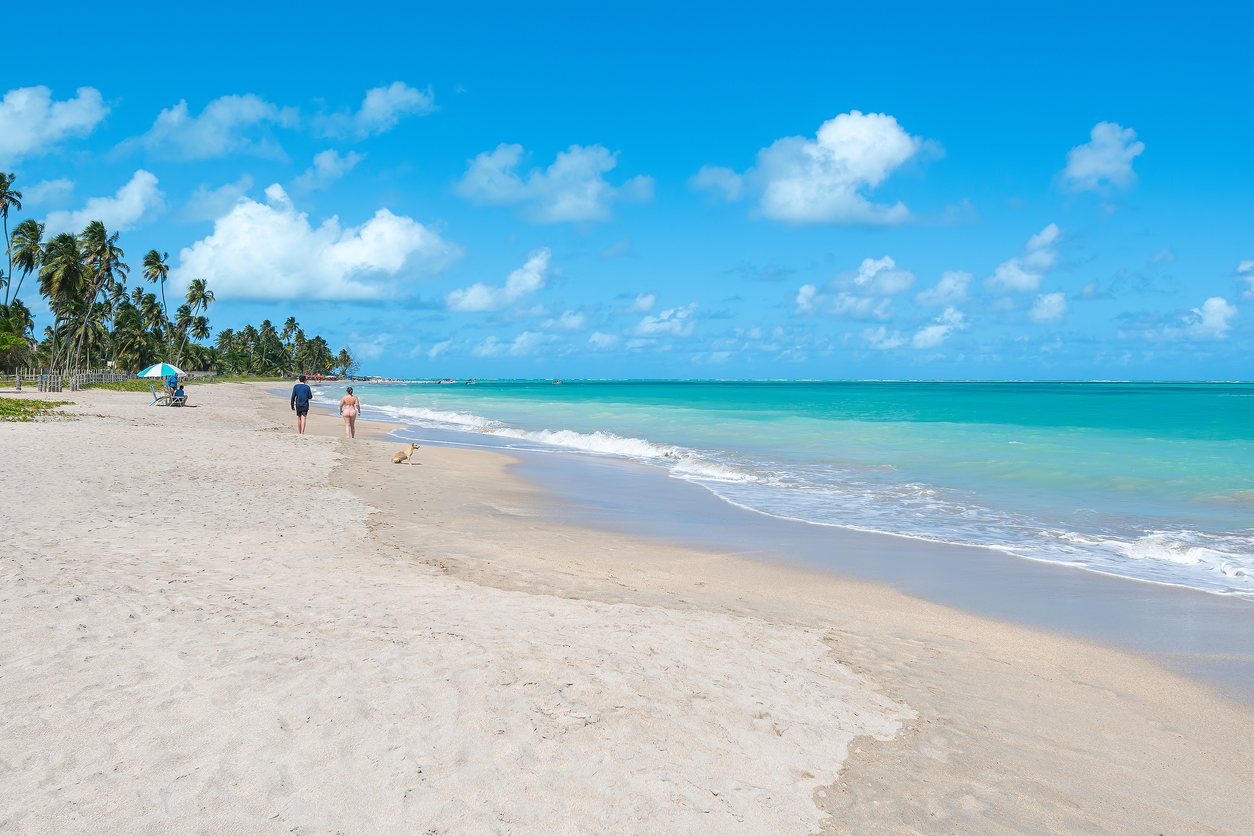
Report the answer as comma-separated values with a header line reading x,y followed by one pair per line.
x,y
803,191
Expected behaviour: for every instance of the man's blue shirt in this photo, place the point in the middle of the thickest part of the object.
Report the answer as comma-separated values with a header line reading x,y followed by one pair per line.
x,y
301,395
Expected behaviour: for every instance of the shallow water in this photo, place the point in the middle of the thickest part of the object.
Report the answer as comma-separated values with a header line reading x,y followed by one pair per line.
x,y
1151,481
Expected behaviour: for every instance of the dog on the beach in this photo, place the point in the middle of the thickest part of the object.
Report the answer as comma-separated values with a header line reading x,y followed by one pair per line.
x,y
406,455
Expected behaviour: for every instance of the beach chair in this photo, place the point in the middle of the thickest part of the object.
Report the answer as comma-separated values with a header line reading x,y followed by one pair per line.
x,y
158,400
177,400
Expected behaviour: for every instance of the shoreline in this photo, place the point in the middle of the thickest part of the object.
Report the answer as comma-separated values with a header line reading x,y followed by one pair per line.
x,y
1204,635
390,646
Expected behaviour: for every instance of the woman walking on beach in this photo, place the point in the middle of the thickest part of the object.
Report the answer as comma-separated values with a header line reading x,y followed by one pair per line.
x,y
350,407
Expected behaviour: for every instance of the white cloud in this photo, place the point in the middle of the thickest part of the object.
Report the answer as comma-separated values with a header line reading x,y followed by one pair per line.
x,y
1024,272
951,288
218,130
131,204
380,111
1048,308
865,293
881,277
48,191
1212,320
573,188
806,296
848,306
568,321
270,251
881,339
1245,272
675,322
328,166
643,303
933,335
601,341
208,204
721,182
439,348
825,180
1106,160
525,343
31,123
526,279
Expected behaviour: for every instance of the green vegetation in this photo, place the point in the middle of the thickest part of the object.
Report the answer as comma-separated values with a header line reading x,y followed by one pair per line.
x,y
98,320
18,409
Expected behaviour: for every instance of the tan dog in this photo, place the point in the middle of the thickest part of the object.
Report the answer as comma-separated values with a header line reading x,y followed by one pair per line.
x,y
406,455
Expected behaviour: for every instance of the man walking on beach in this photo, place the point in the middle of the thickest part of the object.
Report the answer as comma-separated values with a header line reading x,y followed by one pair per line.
x,y
301,395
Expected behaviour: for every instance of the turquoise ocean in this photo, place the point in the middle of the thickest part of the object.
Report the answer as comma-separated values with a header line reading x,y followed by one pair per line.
x,y
1153,481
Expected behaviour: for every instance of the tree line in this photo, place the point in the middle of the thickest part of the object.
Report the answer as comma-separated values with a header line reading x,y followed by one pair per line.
x,y
98,319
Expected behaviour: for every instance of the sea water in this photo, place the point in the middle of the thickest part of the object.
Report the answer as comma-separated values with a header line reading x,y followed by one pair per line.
x,y
1152,481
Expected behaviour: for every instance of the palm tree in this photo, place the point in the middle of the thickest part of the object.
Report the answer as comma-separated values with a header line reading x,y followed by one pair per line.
x,y
199,296
182,321
62,277
225,338
27,246
103,260
10,198
155,271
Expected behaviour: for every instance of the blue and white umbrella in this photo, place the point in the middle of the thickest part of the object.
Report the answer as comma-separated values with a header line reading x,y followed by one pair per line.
x,y
160,370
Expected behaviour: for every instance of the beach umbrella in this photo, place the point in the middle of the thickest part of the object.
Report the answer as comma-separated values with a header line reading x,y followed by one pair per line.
x,y
160,370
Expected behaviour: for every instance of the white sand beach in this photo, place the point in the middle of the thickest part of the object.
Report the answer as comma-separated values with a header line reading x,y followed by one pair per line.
x,y
215,626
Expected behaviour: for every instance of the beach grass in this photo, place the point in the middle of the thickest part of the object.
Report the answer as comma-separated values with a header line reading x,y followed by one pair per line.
x,y
17,409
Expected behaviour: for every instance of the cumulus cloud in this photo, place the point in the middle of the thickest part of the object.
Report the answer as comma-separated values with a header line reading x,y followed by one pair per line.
x,y
880,338
271,251
1212,320
573,188
525,343
600,341
1104,161
643,303
133,203
48,191
933,335
951,288
222,128
865,293
674,322
31,123
881,277
380,111
805,301
208,204
482,297
439,348
1245,272
1048,308
849,306
328,166
720,182
826,179
1024,272
568,321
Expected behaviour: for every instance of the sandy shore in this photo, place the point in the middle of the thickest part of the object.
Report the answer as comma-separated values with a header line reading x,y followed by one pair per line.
x,y
215,626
